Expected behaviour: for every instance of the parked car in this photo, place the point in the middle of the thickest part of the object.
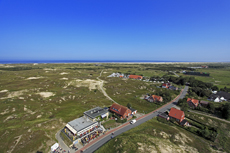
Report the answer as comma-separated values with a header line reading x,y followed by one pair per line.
x,y
133,121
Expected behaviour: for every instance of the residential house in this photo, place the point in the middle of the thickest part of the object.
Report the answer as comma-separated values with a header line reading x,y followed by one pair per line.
x,y
155,98
193,103
121,111
138,77
178,115
163,115
134,111
166,85
204,103
173,88
94,113
220,96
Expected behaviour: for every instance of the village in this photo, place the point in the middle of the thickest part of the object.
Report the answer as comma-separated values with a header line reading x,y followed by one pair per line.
x,y
83,130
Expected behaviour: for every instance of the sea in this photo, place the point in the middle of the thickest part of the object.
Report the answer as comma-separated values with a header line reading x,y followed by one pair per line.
x,y
85,61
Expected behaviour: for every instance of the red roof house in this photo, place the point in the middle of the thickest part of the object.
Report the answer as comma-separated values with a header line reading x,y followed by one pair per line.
x,y
165,85
120,110
177,114
193,102
155,98
135,77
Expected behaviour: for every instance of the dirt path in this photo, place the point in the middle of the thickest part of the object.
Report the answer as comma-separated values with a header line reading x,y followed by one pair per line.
x,y
102,90
210,116
16,142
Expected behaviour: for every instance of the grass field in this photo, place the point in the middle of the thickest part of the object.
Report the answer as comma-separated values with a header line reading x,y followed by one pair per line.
x,y
37,102
153,136
223,139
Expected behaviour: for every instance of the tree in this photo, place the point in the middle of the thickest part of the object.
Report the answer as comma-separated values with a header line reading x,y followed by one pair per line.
x,y
226,111
129,105
205,132
211,107
184,107
215,88
180,102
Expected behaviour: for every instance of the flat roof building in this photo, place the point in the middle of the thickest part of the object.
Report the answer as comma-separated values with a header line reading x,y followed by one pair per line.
x,y
96,112
81,125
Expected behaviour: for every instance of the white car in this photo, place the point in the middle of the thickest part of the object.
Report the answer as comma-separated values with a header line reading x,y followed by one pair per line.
x,y
133,121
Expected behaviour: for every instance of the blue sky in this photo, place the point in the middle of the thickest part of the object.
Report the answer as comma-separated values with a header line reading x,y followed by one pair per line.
x,y
173,30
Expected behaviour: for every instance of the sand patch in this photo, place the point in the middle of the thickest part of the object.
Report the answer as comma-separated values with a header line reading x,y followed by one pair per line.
x,y
15,94
28,110
91,84
33,78
39,116
13,110
46,69
63,73
18,138
64,79
6,65
166,146
3,91
10,117
46,94
5,112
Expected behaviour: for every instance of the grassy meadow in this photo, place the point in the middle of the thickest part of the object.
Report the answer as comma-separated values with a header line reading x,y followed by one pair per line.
x,y
154,136
36,101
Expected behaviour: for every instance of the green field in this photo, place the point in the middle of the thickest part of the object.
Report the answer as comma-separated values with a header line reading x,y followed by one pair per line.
x,y
153,136
36,101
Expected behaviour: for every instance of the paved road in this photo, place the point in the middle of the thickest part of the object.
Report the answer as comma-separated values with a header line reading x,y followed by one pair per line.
x,y
125,127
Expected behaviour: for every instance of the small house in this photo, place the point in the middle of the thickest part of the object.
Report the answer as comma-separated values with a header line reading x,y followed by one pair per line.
x,y
166,85
173,88
164,115
121,111
94,113
155,98
193,103
134,111
178,115
137,77
204,103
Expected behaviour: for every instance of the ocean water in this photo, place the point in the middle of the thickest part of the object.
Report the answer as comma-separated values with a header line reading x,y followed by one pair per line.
x,y
83,61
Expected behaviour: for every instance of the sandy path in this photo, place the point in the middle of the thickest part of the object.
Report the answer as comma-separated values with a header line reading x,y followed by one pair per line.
x,y
16,142
102,90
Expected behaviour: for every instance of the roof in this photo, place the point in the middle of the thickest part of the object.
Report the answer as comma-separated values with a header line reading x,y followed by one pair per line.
x,y
92,113
163,114
135,77
132,109
194,101
79,124
172,87
204,102
183,122
175,113
54,147
226,95
155,97
119,109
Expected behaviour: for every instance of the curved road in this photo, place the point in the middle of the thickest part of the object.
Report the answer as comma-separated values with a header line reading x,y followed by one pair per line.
x,y
97,143
103,91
